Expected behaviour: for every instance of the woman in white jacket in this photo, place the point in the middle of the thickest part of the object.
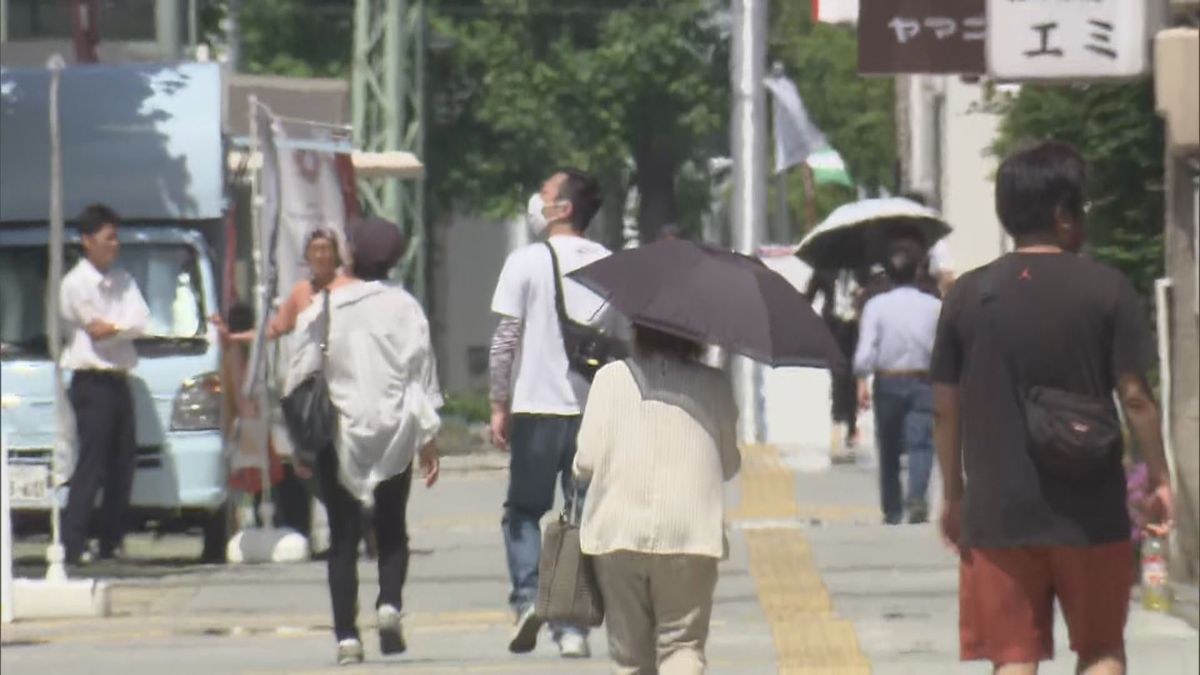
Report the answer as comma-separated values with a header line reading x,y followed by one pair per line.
x,y
382,379
656,445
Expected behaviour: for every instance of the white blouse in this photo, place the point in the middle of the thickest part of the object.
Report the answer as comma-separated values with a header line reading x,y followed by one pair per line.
x,y
382,378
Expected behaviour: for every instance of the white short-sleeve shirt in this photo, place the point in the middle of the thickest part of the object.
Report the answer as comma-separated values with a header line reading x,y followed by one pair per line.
x,y
542,381
940,259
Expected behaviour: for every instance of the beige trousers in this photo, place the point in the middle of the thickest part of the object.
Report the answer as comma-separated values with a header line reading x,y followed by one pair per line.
x,y
656,609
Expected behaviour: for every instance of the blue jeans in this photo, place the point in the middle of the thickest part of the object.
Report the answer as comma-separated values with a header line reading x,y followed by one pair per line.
x,y
542,451
903,423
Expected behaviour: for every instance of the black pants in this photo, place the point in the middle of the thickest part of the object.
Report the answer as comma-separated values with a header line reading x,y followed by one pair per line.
x,y
293,507
845,385
346,529
107,458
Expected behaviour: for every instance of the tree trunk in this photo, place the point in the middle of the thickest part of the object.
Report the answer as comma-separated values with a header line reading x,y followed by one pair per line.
x,y
656,167
611,220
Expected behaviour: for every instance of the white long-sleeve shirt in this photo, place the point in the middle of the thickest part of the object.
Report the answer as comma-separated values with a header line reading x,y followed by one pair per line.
x,y
87,294
657,442
382,379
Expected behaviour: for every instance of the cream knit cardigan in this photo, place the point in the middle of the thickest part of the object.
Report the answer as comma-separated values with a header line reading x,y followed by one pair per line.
x,y
657,442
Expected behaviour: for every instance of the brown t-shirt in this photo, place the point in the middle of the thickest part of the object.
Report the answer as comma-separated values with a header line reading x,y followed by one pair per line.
x,y
1057,320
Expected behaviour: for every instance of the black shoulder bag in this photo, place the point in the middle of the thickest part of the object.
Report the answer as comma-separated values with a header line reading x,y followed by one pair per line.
x,y
1071,436
587,349
308,412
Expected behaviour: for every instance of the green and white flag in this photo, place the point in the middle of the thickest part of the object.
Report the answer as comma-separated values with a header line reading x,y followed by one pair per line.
x,y
827,167
797,139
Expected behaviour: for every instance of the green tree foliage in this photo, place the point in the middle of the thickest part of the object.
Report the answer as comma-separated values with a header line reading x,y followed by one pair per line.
x,y
637,91
1116,129
632,90
296,38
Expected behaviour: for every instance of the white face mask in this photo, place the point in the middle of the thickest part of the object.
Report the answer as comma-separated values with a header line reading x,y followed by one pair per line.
x,y
535,217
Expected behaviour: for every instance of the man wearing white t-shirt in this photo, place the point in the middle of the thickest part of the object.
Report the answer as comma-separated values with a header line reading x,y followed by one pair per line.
x,y
536,398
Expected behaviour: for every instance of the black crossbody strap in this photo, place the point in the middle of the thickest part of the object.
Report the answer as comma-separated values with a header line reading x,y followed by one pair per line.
x,y
560,303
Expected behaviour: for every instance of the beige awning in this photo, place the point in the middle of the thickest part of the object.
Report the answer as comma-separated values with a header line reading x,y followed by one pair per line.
x,y
395,164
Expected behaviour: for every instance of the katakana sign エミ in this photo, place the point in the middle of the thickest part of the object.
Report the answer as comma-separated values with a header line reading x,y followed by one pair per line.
x,y
921,36
1068,39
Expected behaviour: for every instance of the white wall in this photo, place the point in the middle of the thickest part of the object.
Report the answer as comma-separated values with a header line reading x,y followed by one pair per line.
x,y
795,402
470,254
948,160
967,180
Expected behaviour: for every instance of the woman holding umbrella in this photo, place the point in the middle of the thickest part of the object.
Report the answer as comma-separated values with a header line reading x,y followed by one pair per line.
x,y
656,541
659,437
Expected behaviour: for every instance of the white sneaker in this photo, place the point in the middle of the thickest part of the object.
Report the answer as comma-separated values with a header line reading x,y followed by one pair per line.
x,y
573,646
391,631
349,652
524,637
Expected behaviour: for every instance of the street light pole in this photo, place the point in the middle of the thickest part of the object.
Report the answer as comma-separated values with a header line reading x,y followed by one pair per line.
x,y
55,555
749,168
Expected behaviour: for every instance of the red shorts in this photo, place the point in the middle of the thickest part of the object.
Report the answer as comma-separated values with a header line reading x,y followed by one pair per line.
x,y
1006,601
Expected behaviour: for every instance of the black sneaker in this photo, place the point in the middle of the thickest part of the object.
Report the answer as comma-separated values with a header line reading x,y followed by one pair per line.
x,y
524,638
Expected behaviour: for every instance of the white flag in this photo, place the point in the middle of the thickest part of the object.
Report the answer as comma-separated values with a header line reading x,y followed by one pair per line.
x,y
796,137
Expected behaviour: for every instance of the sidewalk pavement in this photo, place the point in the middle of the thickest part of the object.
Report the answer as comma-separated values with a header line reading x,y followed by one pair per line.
x,y
813,585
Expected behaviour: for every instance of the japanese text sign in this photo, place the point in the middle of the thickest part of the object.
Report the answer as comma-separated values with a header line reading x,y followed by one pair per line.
x,y
921,36
1068,39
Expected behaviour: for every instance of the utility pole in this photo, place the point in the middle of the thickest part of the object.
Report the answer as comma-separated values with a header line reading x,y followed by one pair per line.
x,y
166,19
388,102
783,224
84,31
750,173
55,554
233,35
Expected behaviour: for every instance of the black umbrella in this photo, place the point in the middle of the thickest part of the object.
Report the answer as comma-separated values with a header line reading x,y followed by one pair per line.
x,y
716,296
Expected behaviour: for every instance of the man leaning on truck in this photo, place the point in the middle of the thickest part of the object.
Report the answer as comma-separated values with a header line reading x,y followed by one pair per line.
x,y
104,312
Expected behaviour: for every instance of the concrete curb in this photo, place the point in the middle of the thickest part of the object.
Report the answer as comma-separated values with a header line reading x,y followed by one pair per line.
x,y
70,599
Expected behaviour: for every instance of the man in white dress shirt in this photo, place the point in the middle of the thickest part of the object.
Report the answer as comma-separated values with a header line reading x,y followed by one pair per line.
x,y
103,312
895,344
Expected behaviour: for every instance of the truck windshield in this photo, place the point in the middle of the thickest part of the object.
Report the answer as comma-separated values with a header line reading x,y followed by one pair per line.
x,y
167,275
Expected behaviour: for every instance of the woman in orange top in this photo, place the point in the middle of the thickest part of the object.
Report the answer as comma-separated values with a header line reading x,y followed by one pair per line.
x,y
327,266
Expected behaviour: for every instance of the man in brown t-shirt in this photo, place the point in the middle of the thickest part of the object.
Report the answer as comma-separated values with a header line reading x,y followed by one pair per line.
x,y
1042,316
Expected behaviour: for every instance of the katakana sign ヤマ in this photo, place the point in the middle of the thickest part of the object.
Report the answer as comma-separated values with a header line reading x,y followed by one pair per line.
x,y
922,36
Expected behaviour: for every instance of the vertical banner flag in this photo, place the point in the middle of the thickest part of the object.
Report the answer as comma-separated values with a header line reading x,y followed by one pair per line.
x,y
310,193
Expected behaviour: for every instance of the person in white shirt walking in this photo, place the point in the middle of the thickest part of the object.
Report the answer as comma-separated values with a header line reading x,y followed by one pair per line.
x,y
382,377
658,442
536,398
895,345
104,312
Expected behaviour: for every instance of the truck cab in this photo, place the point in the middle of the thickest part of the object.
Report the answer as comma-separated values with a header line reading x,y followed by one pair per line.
x,y
146,140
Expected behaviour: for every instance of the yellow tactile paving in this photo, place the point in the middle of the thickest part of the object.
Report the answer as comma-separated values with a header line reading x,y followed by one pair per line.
x,y
767,488
809,638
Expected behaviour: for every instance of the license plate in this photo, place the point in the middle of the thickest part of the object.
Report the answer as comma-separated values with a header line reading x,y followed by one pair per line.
x,y
29,485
